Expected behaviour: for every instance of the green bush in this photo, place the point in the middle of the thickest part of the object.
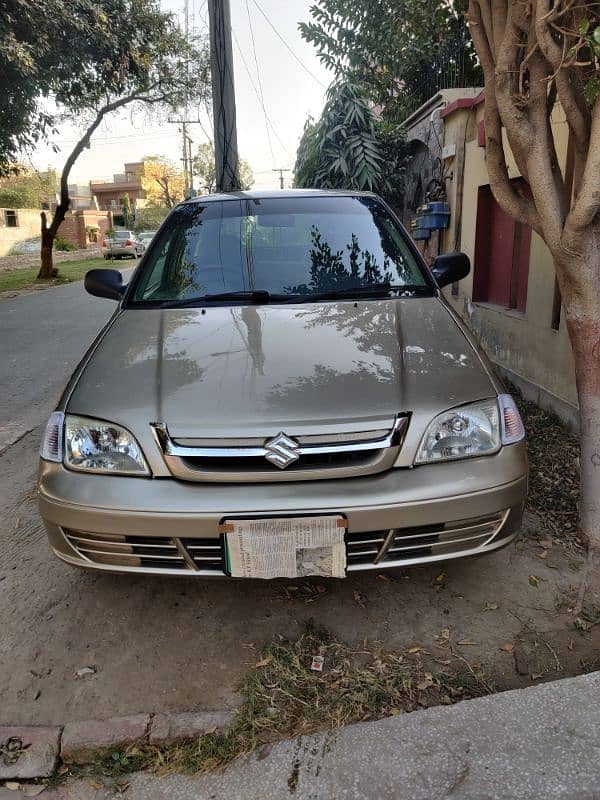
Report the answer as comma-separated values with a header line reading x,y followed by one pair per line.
x,y
63,244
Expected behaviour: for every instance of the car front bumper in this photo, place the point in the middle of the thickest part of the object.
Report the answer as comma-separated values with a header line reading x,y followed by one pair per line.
x,y
420,515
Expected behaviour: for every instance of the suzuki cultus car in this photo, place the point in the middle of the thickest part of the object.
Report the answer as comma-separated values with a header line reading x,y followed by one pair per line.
x,y
281,391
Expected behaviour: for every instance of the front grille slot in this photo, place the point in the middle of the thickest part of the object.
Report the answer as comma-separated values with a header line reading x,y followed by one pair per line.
x,y
312,457
259,464
406,545
148,552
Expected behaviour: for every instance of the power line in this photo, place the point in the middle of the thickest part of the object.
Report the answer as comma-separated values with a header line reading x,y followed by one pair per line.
x,y
262,96
118,139
256,92
302,64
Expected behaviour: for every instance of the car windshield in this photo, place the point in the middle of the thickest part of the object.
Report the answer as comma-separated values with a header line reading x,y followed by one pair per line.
x,y
292,248
122,235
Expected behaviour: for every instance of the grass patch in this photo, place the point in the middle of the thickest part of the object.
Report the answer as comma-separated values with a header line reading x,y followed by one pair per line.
x,y
283,698
68,271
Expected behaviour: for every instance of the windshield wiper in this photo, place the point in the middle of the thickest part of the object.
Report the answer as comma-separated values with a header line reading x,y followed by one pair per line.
x,y
256,296
351,292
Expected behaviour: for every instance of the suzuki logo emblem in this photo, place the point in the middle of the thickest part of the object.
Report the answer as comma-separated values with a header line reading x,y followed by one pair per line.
x,y
281,450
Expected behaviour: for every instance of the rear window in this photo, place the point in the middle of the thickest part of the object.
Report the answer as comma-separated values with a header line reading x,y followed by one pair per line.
x,y
290,246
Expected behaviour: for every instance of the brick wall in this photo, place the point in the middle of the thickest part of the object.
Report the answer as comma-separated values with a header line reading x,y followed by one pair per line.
x,y
73,228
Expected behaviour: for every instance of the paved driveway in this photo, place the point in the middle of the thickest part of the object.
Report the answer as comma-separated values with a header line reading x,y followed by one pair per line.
x,y
167,644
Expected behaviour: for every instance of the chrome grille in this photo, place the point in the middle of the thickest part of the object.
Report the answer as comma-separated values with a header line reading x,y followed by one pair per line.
x,y
315,457
400,546
148,552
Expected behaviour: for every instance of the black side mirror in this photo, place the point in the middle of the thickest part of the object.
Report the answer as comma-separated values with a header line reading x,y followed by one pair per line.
x,y
450,267
104,283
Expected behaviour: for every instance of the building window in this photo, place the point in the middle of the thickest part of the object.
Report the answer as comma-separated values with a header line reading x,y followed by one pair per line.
x,y
502,249
10,219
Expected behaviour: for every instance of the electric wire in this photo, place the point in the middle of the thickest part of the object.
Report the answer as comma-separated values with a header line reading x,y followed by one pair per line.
x,y
256,92
302,64
260,88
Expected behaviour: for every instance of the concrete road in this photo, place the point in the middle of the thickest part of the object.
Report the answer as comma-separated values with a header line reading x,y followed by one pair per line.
x,y
43,334
158,644
536,743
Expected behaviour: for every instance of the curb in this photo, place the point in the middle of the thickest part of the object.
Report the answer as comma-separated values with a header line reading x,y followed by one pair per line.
x,y
28,752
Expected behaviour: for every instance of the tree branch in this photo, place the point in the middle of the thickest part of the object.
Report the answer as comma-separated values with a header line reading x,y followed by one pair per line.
x,y
509,199
571,96
587,204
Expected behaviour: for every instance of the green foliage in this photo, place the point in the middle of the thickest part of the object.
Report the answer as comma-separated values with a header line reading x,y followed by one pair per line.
x,y
402,52
28,189
63,244
18,197
83,53
347,148
149,218
204,169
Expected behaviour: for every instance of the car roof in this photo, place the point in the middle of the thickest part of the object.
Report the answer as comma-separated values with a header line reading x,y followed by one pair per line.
x,y
276,194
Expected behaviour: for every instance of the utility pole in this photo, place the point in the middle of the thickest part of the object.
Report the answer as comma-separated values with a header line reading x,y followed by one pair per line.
x,y
223,94
186,185
187,160
184,160
191,167
281,171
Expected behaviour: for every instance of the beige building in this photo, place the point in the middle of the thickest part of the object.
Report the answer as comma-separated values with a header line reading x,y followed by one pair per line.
x,y
17,225
510,299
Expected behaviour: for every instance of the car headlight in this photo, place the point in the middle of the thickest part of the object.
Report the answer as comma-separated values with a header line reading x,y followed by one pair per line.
x,y
472,430
92,445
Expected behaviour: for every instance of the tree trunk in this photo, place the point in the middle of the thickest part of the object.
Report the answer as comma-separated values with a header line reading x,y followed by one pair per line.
x,y
585,338
47,269
582,309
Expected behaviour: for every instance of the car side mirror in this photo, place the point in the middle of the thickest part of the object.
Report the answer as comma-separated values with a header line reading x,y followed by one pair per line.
x,y
105,283
450,267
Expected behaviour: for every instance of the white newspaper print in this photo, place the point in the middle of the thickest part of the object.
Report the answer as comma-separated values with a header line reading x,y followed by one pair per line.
x,y
287,548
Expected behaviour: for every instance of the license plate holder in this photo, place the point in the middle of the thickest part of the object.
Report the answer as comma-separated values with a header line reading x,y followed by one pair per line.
x,y
285,547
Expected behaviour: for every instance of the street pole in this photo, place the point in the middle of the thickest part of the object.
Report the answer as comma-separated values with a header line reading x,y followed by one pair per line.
x,y
281,171
186,185
191,166
223,94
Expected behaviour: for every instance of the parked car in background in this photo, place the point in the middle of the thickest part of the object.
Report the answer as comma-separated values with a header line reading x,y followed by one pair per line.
x,y
146,237
282,391
122,244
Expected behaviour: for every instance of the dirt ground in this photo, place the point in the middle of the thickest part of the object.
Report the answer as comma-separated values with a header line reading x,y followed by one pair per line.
x,y
172,645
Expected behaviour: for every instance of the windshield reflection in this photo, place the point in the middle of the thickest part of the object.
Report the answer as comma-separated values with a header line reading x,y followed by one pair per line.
x,y
286,247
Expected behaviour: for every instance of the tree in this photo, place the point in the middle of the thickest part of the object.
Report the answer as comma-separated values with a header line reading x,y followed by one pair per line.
x,y
20,196
347,147
401,52
78,55
162,181
27,188
204,169
126,205
110,54
534,54
149,218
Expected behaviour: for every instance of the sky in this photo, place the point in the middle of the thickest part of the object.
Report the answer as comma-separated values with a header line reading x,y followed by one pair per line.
x,y
290,93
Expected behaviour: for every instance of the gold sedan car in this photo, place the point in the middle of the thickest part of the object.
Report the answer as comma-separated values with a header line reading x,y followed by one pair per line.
x,y
281,391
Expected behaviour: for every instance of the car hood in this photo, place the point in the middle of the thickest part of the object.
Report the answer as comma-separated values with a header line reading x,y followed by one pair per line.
x,y
304,369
